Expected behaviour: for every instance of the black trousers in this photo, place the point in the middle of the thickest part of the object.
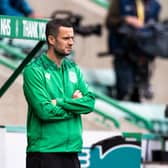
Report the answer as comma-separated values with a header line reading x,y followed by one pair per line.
x,y
52,160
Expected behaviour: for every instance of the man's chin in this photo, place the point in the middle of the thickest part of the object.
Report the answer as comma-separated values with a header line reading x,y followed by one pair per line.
x,y
68,53
61,55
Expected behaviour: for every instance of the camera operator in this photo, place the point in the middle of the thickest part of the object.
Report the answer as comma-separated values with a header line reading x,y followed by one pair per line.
x,y
131,65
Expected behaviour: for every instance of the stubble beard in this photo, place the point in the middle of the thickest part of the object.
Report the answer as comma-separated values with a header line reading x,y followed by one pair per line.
x,y
60,54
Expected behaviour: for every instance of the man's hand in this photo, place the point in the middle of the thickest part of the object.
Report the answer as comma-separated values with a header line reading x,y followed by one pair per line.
x,y
77,94
134,21
54,102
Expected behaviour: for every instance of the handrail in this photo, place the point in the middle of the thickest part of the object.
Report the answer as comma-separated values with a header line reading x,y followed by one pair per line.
x,y
108,116
148,124
8,63
13,50
103,3
135,135
18,129
21,28
20,68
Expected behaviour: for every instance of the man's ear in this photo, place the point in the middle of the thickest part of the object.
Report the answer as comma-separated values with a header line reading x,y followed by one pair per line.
x,y
51,40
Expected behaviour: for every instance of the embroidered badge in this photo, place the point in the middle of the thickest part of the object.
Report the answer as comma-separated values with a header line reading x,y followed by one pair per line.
x,y
47,75
72,77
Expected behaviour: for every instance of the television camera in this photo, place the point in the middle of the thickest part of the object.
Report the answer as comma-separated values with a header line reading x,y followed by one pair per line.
x,y
75,20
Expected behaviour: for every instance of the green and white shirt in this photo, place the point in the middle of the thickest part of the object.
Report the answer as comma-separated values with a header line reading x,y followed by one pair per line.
x,y
55,128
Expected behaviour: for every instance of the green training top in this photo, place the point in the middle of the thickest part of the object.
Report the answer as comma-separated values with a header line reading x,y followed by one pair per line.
x,y
55,128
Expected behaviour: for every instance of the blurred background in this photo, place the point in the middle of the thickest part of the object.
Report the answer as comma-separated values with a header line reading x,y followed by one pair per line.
x,y
110,114
86,52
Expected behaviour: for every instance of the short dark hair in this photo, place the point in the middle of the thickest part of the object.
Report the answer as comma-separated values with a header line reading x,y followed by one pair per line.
x,y
53,25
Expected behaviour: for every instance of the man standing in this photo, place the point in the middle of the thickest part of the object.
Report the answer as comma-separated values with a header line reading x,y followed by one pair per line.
x,y
130,65
57,95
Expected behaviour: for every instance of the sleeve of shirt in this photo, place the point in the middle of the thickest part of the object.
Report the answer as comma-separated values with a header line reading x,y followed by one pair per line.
x,y
7,9
38,97
82,105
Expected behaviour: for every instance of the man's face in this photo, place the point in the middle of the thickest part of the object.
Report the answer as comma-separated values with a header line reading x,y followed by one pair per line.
x,y
64,41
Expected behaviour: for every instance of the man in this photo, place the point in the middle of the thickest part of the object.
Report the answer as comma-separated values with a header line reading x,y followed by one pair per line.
x,y
135,13
57,95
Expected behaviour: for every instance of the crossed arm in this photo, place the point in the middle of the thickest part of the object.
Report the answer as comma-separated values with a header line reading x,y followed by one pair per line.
x,y
38,98
77,94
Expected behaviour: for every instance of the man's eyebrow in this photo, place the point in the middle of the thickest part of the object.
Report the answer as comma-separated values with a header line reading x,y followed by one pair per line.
x,y
68,37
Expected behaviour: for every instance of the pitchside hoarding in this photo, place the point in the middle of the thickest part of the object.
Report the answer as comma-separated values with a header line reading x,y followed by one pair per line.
x,y
101,149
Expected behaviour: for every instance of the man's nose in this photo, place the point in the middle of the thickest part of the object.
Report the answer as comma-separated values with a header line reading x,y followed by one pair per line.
x,y
71,41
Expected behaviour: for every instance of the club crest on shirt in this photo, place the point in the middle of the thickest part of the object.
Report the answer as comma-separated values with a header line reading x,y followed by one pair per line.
x,y
47,75
72,77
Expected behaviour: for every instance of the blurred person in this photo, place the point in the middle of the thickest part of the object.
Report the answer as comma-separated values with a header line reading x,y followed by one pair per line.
x,y
57,95
17,8
135,13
